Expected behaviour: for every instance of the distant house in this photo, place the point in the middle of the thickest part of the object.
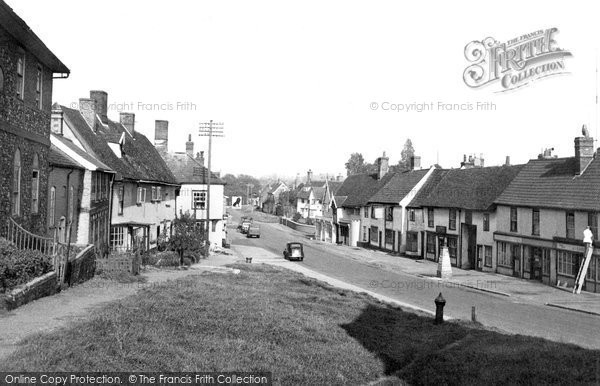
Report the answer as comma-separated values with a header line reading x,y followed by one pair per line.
x,y
144,189
273,194
309,197
542,214
27,70
324,224
458,210
192,175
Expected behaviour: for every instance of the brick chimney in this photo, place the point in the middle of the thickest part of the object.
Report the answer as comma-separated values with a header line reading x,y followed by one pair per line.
x,y
507,162
189,147
415,162
584,152
382,166
200,158
101,98
161,135
309,176
128,121
87,108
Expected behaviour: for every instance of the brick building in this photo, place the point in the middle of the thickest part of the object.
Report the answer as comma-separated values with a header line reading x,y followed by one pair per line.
x,y
27,68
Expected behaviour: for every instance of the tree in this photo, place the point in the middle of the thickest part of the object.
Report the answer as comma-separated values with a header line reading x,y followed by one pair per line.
x,y
405,155
187,236
356,165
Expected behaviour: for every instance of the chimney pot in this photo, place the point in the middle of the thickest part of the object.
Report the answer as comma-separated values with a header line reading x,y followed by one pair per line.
x,y
189,147
584,152
382,166
415,162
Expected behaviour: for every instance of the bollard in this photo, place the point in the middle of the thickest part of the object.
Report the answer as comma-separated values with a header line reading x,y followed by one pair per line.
x,y
440,302
473,314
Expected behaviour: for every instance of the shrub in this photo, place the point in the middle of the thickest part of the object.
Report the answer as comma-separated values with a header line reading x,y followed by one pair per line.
x,y
167,259
20,266
297,216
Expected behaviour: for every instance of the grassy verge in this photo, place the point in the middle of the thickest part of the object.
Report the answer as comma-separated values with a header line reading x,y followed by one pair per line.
x,y
304,331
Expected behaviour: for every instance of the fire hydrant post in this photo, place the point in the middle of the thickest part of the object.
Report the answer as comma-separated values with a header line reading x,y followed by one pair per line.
x,y
440,302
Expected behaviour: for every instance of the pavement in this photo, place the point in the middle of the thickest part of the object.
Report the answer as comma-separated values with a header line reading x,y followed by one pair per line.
x,y
501,285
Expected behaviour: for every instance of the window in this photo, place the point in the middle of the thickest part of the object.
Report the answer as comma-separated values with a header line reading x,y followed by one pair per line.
x,y
430,243
35,185
366,211
513,219
373,212
452,249
199,199
20,75
71,203
486,222
389,213
214,226
120,194
158,193
389,237
93,193
412,241
504,259
374,234
487,259
566,263
591,273
364,233
411,215
570,225
141,195
154,193
16,188
52,207
593,223
117,237
535,222
430,218
545,262
38,87
452,219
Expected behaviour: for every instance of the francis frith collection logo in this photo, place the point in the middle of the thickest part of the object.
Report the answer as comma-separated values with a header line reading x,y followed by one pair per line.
x,y
515,63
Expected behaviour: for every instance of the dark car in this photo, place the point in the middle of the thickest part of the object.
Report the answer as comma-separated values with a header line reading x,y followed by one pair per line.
x,y
253,231
294,251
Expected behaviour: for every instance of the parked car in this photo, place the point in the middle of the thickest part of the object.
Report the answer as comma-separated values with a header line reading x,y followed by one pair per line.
x,y
245,226
294,251
253,231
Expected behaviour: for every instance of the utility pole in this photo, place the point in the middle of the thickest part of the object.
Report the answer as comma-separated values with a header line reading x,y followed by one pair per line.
x,y
209,129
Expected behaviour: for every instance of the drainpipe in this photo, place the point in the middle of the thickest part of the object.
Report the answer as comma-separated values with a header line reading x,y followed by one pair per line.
x,y
110,208
68,230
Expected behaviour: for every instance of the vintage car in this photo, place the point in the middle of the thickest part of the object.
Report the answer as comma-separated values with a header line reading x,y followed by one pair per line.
x,y
253,231
294,251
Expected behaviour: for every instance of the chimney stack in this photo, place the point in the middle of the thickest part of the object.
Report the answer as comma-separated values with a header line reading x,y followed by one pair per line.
x,y
189,147
339,177
309,177
507,163
584,152
57,120
200,158
382,166
161,135
87,108
101,98
415,162
128,121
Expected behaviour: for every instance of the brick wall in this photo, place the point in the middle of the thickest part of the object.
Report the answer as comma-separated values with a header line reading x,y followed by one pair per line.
x,y
82,267
45,285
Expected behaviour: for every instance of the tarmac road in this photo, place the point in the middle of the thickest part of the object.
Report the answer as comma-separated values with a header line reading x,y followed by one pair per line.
x,y
509,314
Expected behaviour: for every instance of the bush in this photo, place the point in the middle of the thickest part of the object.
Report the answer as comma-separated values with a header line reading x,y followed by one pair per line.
x,y
20,266
297,216
167,259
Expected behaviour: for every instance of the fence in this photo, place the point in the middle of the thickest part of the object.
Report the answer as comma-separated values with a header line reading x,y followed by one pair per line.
x,y
308,229
121,263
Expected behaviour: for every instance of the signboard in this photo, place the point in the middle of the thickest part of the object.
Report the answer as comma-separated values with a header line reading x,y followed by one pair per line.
x,y
440,229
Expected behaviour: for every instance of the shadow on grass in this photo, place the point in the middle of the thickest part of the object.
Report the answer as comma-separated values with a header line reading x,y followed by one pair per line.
x,y
412,348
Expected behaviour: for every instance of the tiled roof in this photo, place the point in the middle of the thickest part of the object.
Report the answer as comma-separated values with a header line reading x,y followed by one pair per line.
x,y
359,188
188,170
319,192
140,160
553,183
305,194
66,142
339,200
434,179
277,186
473,189
398,186
57,158
334,186
317,183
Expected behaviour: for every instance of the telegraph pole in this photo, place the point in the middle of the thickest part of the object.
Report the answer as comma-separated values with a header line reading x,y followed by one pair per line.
x,y
209,129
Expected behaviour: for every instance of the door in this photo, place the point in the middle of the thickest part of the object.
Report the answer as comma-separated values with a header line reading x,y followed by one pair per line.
x,y
379,239
472,247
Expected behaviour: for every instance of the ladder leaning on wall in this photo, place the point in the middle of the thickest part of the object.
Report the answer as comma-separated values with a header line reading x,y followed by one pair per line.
x,y
589,250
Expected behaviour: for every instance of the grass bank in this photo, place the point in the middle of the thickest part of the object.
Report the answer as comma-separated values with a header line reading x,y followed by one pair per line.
x,y
304,331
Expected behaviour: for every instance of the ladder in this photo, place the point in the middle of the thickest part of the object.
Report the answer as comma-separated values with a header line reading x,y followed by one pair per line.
x,y
589,250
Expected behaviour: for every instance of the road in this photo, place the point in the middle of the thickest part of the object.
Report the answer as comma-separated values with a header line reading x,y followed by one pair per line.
x,y
508,314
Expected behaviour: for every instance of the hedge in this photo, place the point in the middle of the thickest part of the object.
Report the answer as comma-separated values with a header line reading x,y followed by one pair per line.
x,y
20,266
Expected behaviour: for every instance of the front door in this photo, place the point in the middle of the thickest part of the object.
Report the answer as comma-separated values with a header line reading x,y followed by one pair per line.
x,y
471,231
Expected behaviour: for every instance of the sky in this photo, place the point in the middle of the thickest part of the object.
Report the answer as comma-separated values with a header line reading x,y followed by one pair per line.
x,y
302,85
